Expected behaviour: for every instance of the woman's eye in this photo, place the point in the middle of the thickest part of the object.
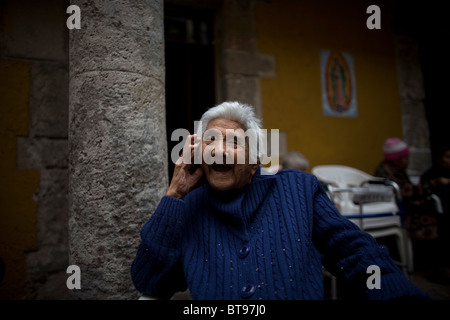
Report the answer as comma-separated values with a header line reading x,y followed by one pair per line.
x,y
209,140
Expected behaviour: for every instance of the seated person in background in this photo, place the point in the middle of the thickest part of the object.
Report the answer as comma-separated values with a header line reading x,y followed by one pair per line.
x,y
244,235
419,223
436,180
295,160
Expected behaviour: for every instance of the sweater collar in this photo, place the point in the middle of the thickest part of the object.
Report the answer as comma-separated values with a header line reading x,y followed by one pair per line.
x,y
239,207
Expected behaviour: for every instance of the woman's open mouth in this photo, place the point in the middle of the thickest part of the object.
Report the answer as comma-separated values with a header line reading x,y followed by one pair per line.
x,y
222,168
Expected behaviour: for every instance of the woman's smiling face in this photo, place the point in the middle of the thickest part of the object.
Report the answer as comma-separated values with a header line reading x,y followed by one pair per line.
x,y
226,159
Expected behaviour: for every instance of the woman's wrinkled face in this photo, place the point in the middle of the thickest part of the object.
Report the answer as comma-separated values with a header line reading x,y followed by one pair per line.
x,y
226,155
402,162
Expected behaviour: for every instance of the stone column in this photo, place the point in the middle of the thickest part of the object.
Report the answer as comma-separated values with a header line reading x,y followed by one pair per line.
x,y
241,65
412,94
117,139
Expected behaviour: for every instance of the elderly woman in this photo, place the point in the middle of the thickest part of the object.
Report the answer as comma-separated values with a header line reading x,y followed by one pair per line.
x,y
246,235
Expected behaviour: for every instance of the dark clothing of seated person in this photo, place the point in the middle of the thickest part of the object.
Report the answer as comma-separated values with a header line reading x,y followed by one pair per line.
x,y
436,181
244,234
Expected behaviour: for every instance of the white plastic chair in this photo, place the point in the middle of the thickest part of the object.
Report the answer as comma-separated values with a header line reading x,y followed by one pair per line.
x,y
370,202
373,203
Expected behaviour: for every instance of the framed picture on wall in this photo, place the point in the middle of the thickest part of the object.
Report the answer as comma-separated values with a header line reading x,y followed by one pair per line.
x,y
338,84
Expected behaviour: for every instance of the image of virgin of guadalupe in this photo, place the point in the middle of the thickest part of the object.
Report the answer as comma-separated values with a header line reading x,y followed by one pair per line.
x,y
339,97
338,84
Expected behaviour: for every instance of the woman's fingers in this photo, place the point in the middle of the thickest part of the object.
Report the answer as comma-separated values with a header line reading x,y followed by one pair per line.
x,y
186,175
188,155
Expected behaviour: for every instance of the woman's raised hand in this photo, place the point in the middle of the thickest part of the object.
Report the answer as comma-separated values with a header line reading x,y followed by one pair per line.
x,y
184,177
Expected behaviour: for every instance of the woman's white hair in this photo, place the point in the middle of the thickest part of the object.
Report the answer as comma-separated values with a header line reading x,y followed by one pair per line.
x,y
240,112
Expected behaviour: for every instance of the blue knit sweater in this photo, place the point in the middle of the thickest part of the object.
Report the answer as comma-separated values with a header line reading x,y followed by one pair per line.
x,y
268,241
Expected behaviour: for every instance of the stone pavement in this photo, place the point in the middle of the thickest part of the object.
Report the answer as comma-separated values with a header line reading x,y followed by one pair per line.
x,y
437,291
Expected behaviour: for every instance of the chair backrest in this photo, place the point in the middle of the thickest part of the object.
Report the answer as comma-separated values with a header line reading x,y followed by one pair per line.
x,y
340,175
379,216
348,178
377,202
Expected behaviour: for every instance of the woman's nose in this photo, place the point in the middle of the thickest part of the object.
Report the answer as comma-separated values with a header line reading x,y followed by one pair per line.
x,y
220,149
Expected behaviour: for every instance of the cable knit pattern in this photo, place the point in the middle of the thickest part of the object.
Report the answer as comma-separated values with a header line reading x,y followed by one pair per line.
x,y
268,241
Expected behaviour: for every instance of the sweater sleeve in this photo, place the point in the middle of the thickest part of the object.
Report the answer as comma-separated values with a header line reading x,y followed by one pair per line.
x,y
156,270
348,252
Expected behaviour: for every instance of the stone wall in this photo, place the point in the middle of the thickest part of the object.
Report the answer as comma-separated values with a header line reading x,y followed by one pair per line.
x,y
35,32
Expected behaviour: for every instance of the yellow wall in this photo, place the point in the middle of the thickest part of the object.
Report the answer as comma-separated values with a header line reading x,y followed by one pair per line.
x,y
17,207
295,32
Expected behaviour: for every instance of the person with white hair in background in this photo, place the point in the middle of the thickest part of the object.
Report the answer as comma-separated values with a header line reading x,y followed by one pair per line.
x,y
295,160
243,235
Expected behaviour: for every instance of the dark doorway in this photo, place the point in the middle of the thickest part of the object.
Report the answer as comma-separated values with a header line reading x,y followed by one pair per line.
x,y
189,54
